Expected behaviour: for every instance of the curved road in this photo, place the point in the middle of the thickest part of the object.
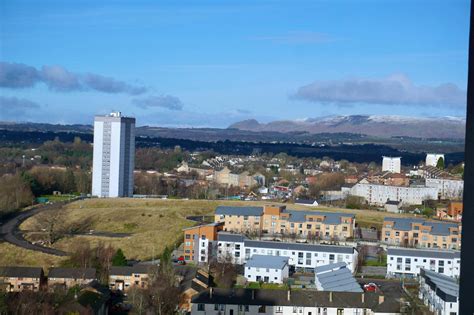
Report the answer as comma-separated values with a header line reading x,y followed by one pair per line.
x,y
10,232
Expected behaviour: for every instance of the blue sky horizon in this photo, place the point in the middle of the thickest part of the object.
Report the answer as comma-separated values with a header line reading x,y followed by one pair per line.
x,y
213,63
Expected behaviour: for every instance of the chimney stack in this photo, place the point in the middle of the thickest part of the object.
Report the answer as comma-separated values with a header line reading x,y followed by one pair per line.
x,y
363,298
330,296
381,299
253,294
289,295
210,292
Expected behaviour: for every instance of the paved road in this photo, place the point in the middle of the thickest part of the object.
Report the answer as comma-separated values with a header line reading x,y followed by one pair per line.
x,y
10,232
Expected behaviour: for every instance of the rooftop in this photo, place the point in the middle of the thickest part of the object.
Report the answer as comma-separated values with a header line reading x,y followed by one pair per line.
x,y
296,298
21,272
264,261
300,246
128,270
295,215
75,273
446,287
336,277
437,228
429,253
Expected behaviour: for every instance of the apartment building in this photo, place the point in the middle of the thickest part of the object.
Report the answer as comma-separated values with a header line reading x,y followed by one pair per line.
x,y
418,232
244,179
439,293
391,164
274,219
16,279
408,262
126,277
377,194
114,156
70,277
199,242
261,302
448,188
302,256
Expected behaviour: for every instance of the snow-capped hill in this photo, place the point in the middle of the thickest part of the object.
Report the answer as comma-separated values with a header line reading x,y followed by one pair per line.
x,y
375,125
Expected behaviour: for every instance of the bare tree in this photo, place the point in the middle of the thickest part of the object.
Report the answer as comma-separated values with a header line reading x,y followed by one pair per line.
x,y
223,271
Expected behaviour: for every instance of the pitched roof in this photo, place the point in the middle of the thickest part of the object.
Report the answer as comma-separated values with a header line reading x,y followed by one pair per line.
x,y
429,253
295,215
264,261
446,287
128,270
75,273
21,272
336,277
230,237
437,228
305,201
297,298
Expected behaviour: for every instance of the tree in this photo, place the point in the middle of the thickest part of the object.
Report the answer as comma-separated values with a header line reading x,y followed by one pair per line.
x,y
440,163
119,258
223,271
15,193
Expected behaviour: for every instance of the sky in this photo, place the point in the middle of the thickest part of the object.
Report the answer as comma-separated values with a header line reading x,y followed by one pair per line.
x,y
213,63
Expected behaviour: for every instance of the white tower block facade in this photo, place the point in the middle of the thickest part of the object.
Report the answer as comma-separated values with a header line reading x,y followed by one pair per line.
x,y
391,164
114,156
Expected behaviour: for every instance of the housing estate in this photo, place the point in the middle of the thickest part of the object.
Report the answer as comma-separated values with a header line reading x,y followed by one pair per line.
x,y
274,219
439,293
419,232
302,256
378,194
249,301
407,262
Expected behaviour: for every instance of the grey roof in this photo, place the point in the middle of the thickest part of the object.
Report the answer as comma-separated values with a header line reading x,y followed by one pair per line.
x,y
21,272
393,202
445,287
299,246
74,273
323,268
336,277
437,228
295,215
429,253
255,211
230,237
128,270
305,201
297,298
263,261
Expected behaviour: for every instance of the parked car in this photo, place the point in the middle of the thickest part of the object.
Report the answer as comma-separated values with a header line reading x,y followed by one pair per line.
x,y
370,287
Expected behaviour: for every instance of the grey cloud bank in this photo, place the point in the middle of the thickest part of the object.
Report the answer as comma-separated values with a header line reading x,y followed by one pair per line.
x,y
57,78
12,107
394,90
163,101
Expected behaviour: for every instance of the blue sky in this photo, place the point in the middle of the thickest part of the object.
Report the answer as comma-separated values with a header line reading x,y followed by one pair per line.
x,y
212,63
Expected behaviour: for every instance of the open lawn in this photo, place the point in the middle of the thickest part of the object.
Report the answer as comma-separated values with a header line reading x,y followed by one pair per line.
x,y
156,223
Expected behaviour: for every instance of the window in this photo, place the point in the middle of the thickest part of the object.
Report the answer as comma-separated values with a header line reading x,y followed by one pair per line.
x,y
262,309
201,307
278,309
246,308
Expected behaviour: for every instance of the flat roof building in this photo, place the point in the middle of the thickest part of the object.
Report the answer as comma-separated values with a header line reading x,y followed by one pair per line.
x,y
113,156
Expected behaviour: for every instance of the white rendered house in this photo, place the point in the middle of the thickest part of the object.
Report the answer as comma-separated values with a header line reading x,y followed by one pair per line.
x,y
269,269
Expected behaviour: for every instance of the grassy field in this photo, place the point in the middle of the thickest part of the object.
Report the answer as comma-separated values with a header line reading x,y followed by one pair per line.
x,y
153,223
12,255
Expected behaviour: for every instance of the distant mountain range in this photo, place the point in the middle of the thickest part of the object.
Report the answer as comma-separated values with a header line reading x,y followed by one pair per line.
x,y
379,126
